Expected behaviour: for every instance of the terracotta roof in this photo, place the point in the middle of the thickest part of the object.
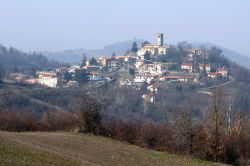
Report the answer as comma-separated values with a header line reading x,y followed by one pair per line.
x,y
178,76
187,64
46,75
151,64
171,77
212,73
222,69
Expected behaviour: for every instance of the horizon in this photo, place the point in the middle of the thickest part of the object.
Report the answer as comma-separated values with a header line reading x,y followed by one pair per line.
x,y
61,25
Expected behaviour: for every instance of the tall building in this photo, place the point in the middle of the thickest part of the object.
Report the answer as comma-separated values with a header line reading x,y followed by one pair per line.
x,y
155,49
160,39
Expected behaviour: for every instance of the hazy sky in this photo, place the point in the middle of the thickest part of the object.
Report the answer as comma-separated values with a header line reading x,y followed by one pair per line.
x,y
54,25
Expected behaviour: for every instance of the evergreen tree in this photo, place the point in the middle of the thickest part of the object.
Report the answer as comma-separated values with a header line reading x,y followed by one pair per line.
x,y
67,76
134,47
131,71
147,56
84,59
93,61
80,76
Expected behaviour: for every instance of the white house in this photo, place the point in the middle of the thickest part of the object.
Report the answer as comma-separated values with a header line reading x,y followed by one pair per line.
x,y
153,88
94,77
187,66
48,79
73,68
196,51
149,97
222,71
179,78
208,67
201,67
154,68
212,75
138,63
144,77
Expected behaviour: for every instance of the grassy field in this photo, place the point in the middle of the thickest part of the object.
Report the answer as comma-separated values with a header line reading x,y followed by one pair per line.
x,y
41,148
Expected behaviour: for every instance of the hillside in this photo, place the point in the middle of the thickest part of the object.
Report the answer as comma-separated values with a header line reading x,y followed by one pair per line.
x,y
42,148
74,56
12,59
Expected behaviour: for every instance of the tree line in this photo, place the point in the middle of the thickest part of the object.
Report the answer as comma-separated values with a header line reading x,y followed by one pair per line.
x,y
212,138
14,60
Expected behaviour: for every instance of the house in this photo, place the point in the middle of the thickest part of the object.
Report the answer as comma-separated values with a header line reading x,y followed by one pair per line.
x,y
31,81
187,67
72,84
61,70
201,67
170,78
154,68
72,69
179,78
195,51
48,79
94,76
208,67
212,75
126,82
114,64
190,56
222,71
92,68
123,58
149,97
103,61
144,77
188,78
153,88
138,63
19,76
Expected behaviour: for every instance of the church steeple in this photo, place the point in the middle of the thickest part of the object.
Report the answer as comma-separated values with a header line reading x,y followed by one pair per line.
x,y
160,39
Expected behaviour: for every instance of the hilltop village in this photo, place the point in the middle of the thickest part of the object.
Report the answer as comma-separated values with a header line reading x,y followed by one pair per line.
x,y
145,68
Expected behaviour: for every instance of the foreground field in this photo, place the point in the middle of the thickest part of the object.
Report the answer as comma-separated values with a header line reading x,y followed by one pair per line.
x,y
40,148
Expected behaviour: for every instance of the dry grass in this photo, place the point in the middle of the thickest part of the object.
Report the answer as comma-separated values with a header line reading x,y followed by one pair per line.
x,y
41,148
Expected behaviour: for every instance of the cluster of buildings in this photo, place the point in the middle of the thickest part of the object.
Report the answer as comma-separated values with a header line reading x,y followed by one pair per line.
x,y
48,79
146,70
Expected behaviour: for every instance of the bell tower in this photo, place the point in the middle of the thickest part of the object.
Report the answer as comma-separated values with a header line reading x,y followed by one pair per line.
x,y
160,39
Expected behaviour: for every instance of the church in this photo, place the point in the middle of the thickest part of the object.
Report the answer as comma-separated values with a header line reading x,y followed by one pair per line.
x,y
154,49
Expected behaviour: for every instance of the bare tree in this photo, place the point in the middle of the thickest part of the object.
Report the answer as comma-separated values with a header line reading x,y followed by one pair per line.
x,y
187,130
89,116
216,125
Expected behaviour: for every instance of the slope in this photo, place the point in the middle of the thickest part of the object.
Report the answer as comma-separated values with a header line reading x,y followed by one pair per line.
x,y
40,148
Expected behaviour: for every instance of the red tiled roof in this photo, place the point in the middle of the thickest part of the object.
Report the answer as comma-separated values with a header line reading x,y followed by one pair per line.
x,y
208,65
187,64
222,69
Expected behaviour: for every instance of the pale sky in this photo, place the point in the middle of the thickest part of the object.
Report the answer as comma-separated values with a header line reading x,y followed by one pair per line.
x,y
55,25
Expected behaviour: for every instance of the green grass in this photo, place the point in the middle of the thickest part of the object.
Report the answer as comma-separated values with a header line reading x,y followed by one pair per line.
x,y
41,148
12,153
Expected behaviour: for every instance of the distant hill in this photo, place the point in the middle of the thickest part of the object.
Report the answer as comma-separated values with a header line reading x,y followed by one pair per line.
x,y
74,56
40,148
228,53
13,59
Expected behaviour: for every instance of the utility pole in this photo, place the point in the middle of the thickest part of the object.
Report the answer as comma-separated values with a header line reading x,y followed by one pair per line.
x,y
229,110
